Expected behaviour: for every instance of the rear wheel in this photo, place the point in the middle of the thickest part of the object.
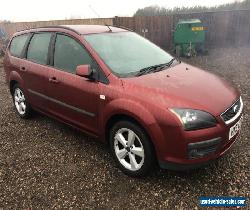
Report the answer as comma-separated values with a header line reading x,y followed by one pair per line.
x,y
22,106
132,149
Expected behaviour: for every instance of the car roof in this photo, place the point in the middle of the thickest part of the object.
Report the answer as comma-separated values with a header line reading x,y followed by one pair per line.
x,y
79,29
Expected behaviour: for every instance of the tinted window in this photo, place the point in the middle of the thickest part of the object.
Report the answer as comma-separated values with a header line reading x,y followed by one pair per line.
x,y
38,48
17,45
69,54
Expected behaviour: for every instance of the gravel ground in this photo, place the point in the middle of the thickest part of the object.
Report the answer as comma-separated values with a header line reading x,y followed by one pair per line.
x,y
46,164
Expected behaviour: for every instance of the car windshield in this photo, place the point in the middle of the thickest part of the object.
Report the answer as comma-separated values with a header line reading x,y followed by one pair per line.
x,y
126,53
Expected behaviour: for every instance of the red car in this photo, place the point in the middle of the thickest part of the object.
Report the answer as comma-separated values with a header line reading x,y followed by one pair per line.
x,y
122,89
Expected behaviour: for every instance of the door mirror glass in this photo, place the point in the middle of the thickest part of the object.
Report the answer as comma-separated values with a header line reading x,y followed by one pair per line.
x,y
84,71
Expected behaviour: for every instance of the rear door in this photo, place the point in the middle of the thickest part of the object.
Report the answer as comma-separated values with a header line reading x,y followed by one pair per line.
x,y
72,98
35,68
14,55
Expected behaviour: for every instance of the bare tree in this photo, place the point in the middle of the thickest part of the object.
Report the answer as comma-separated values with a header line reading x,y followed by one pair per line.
x,y
158,11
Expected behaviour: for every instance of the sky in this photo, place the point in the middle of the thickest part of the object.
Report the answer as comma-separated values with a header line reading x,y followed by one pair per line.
x,y
32,10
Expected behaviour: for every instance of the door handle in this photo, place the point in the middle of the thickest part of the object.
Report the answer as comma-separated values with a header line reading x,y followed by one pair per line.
x,y
53,80
22,68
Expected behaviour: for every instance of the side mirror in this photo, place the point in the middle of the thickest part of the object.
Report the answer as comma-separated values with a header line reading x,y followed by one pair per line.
x,y
84,71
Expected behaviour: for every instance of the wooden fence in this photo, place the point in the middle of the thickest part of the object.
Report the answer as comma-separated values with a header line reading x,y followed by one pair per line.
x,y
224,28
159,29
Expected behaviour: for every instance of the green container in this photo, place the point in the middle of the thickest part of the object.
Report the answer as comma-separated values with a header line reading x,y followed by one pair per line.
x,y
189,37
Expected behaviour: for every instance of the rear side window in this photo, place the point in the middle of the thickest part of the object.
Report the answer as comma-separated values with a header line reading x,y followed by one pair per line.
x,y
17,45
39,47
69,54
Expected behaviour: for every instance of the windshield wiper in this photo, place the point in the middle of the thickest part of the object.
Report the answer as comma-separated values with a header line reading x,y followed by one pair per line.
x,y
164,66
155,68
147,70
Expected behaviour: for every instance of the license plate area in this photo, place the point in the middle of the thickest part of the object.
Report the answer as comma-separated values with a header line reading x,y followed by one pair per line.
x,y
235,129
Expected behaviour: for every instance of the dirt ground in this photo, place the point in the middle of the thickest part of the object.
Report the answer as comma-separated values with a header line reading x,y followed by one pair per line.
x,y
46,164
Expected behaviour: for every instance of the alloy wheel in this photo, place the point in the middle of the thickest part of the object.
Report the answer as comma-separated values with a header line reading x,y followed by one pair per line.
x,y
19,101
129,149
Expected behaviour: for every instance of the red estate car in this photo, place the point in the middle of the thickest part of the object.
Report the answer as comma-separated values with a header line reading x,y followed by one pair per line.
x,y
115,85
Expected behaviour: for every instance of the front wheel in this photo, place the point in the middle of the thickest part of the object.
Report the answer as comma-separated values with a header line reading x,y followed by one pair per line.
x,y
132,149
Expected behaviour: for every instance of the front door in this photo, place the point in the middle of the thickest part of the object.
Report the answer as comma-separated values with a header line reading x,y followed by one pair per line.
x,y
72,98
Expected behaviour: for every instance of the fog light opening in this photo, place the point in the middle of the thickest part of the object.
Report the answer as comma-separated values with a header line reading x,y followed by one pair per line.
x,y
204,148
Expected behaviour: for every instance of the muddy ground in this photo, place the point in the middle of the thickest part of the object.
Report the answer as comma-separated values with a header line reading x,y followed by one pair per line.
x,y
46,164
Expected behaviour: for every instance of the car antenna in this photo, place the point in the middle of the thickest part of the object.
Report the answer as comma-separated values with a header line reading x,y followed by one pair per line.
x,y
110,30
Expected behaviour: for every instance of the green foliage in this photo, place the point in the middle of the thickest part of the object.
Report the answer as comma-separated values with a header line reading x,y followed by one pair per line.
x,y
158,11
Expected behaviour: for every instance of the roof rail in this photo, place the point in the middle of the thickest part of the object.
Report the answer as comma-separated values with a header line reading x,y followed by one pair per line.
x,y
123,27
57,26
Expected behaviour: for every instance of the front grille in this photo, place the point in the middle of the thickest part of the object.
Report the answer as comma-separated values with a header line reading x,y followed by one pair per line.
x,y
232,112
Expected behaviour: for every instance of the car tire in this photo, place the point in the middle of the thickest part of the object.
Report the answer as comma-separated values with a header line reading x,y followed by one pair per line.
x,y
132,149
21,104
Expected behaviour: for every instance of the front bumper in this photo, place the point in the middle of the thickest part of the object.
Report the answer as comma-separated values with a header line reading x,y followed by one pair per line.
x,y
184,167
199,162
194,149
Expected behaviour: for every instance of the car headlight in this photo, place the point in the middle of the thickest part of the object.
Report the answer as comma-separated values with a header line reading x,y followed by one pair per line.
x,y
194,119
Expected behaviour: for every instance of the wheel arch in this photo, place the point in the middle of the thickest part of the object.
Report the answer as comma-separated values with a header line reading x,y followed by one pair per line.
x,y
15,78
11,85
125,117
120,117
128,109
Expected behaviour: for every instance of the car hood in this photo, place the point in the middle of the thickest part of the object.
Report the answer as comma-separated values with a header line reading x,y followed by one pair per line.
x,y
184,86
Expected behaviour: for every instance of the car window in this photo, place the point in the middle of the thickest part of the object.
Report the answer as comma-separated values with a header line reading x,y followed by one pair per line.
x,y
126,53
38,48
17,45
69,54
